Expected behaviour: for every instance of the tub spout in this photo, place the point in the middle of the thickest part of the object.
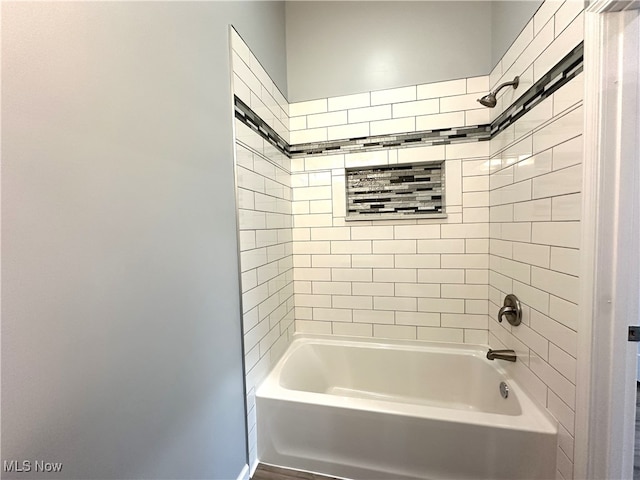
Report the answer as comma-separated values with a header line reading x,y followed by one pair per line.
x,y
508,355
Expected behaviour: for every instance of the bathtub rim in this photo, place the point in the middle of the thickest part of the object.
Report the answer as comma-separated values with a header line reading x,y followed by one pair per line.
x,y
534,417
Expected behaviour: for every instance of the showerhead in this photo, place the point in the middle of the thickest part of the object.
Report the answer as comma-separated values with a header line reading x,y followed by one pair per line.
x,y
490,101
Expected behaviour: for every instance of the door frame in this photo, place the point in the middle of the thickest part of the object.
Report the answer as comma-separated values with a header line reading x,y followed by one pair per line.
x,y
610,248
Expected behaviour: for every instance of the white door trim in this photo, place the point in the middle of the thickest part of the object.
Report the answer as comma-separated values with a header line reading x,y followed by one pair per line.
x,y
610,248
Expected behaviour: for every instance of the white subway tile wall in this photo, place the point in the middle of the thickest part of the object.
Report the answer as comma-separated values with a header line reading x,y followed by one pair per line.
x,y
398,110
534,210
265,221
512,226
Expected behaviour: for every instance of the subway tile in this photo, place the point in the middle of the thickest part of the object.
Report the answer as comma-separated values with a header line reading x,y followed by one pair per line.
x,y
440,120
519,44
394,95
441,305
394,246
476,245
459,102
332,315
477,84
352,301
453,182
467,150
565,42
398,275
394,331
474,230
433,334
418,232
349,101
388,127
463,320
326,119
373,288
330,233
562,387
309,273
331,288
469,292
325,162
323,261
476,306
533,166
372,233
477,117
421,154
351,246
412,109
465,261
312,300
564,312
563,363
476,337
532,211
533,254
379,157
558,234
438,275
501,248
441,246
373,316
309,326
352,329
418,319
565,442
395,303
566,207
352,274
313,220
558,182
308,136
475,199
370,114
472,168
501,213
533,340
417,261
475,184
372,261
561,411
475,215
545,13
561,336
417,290
565,260
568,153
516,232
308,108
501,178
569,95
356,130
312,193
447,88
566,13
532,297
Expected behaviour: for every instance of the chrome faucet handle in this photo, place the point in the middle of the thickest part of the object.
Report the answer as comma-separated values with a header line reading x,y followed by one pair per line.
x,y
511,310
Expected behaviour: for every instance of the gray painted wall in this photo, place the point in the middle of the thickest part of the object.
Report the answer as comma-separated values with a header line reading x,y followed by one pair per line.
x,y
508,18
339,48
121,335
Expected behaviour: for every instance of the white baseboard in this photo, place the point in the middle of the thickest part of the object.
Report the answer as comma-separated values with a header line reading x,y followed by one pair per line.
x,y
254,467
244,474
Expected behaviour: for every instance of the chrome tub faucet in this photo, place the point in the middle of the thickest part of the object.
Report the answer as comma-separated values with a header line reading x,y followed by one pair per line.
x,y
508,355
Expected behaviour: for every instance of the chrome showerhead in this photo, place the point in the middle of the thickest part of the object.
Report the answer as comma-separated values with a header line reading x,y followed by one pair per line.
x,y
490,101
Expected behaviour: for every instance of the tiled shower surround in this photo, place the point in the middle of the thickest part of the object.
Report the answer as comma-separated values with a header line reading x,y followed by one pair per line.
x,y
512,225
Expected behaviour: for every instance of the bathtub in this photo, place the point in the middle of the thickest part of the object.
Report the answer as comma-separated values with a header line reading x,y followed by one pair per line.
x,y
367,409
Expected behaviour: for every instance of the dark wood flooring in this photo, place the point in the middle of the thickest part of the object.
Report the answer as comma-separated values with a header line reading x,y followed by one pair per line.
x,y
267,472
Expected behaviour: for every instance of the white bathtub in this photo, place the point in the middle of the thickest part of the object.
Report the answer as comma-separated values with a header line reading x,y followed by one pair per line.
x,y
367,409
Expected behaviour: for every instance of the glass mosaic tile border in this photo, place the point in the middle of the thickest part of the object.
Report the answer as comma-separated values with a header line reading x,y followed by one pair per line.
x,y
560,74
395,191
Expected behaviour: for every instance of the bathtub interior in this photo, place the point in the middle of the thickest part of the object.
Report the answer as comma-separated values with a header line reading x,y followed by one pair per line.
x,y
363,408
378,372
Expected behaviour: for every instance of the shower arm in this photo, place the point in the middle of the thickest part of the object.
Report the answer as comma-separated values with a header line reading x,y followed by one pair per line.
x,y
514,82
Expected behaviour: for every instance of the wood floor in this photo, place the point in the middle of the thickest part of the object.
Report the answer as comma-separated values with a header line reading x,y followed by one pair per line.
x,y
267,472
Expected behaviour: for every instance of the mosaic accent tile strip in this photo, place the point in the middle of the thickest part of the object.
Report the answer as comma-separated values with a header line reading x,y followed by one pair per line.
x,y
252,120
565,70
395,191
